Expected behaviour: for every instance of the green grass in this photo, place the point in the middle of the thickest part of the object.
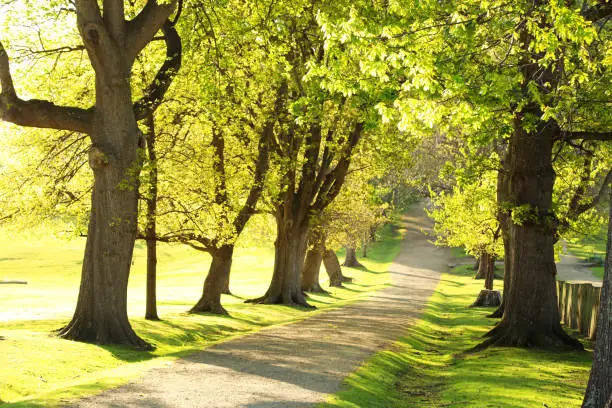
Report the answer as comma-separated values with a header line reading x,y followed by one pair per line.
x,y
428,367
459,252
590,246
38,369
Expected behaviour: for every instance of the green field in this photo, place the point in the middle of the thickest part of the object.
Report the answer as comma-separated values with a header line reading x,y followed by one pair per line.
x,y
39,369
429,368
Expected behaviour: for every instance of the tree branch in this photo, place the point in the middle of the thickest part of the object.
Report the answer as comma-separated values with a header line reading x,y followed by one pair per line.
x,y
143,27
597,12
261,168
333,182
601,136
37,113
156,90
6,80
576,209
114,19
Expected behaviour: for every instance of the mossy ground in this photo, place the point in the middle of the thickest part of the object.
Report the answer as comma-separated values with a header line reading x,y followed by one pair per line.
x,y
38,369
429,367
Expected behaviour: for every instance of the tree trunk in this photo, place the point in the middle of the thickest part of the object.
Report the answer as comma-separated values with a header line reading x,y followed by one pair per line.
x,y
373,229
101,311
332,266
531,314
151,302
226,286
599,389
312,264
151,223
310,273
503,191
216,280
351,259
488,297
482,266
489,271
290,251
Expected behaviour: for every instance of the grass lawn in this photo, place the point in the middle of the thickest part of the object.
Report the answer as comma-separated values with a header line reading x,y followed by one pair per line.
x,y
38,369
428,367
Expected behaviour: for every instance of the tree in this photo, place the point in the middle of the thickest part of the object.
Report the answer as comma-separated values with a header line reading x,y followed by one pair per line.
x,y
226,132
531,316
467,217
521,73
112,44
349,219
326,116
599,389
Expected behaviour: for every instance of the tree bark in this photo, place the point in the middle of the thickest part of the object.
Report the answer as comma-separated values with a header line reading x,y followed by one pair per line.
x,y
226,285
101,311
332,266
489,271
351,258
306,190
503,217
488,297
151,223
216,281
312,264
482,266
531,315
599,388
334,271
310,273
290,250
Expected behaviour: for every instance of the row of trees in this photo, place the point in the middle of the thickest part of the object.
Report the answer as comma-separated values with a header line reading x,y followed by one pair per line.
x,y
280,100
262,107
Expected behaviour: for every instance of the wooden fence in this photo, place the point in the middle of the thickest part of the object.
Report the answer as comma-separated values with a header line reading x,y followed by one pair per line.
x,y
579,305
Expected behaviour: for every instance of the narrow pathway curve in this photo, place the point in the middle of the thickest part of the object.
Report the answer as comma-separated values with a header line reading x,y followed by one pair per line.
x,y
570,269
300,364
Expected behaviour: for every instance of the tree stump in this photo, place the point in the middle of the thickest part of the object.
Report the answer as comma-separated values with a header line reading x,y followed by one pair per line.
x,y
487,298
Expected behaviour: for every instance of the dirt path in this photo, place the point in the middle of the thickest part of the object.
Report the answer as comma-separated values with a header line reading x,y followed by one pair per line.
x,y
570,269
300,364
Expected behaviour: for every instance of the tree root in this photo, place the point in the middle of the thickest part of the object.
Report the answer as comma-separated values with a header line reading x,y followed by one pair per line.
x,y
206,306
503,336
117,333
293,300
499,313
315,288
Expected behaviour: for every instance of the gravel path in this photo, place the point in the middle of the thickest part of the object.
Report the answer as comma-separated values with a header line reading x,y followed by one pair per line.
x,y
300,364
570,269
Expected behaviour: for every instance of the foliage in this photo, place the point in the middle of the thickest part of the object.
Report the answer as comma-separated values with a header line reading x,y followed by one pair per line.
x,y
467,217
352,216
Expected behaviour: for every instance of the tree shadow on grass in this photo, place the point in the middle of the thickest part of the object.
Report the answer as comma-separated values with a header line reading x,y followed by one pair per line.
x,y
163,332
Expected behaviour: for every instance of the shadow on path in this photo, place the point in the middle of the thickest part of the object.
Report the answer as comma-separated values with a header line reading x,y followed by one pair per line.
x,y
299,364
